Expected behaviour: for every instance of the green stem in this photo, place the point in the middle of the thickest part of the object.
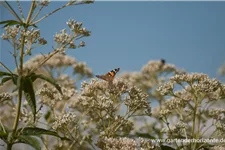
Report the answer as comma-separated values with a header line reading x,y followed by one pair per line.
x,y
9,147
30,12
16,121
21,54
6,68
17,111
6,5
67,4
20,88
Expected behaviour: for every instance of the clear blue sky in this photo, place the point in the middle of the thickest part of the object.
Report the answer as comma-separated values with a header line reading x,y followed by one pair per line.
x,y
190,35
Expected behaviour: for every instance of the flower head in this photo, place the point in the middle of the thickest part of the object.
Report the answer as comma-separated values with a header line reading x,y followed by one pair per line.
x,y
64,121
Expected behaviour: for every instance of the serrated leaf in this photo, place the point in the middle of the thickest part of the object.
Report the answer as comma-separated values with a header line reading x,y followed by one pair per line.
x,y
30,94
33,131
49,80
9,22
30,141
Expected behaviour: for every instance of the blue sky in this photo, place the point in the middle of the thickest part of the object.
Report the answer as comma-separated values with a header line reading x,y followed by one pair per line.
x,y
190,35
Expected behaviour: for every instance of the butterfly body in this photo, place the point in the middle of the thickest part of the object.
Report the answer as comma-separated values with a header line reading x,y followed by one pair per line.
x,y
109,76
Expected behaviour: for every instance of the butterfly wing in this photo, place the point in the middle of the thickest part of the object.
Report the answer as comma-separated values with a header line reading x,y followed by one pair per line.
x,y
103,77
109,76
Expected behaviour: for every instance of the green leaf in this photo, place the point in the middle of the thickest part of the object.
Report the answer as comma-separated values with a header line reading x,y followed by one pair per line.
x,y
38,131
33,25
2,73
30,94
30,141
5,79
47,115
165,147
10,22
32,76
15,79
3,133
10,75
49,80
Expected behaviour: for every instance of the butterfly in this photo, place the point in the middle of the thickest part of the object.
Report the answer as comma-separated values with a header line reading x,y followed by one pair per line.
x,y
109,76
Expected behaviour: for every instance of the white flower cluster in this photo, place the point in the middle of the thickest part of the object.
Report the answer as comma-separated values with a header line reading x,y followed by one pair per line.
x,y
50,95
146,144
200,83
120,144
59,61
217,113
5,96
11,32
151,75
98,94
154,67
164,112
218,148
137,100
167,88
124,143
64,120
82,69
31,36
220,126
77,31
28,117
175,103
178,129
63,37
66,81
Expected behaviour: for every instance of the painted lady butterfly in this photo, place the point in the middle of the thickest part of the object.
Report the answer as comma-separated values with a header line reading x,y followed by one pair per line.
x,y
109,76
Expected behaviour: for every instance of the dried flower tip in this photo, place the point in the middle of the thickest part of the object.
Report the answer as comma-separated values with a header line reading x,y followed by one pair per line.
x,y
82,44
72,45
44,2
88,1
42,41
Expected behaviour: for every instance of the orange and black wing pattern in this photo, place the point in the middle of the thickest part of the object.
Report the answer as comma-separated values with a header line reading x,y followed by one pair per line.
x,y
109,76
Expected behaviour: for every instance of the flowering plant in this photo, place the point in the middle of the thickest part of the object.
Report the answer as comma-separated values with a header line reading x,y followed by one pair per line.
x,y
43,107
